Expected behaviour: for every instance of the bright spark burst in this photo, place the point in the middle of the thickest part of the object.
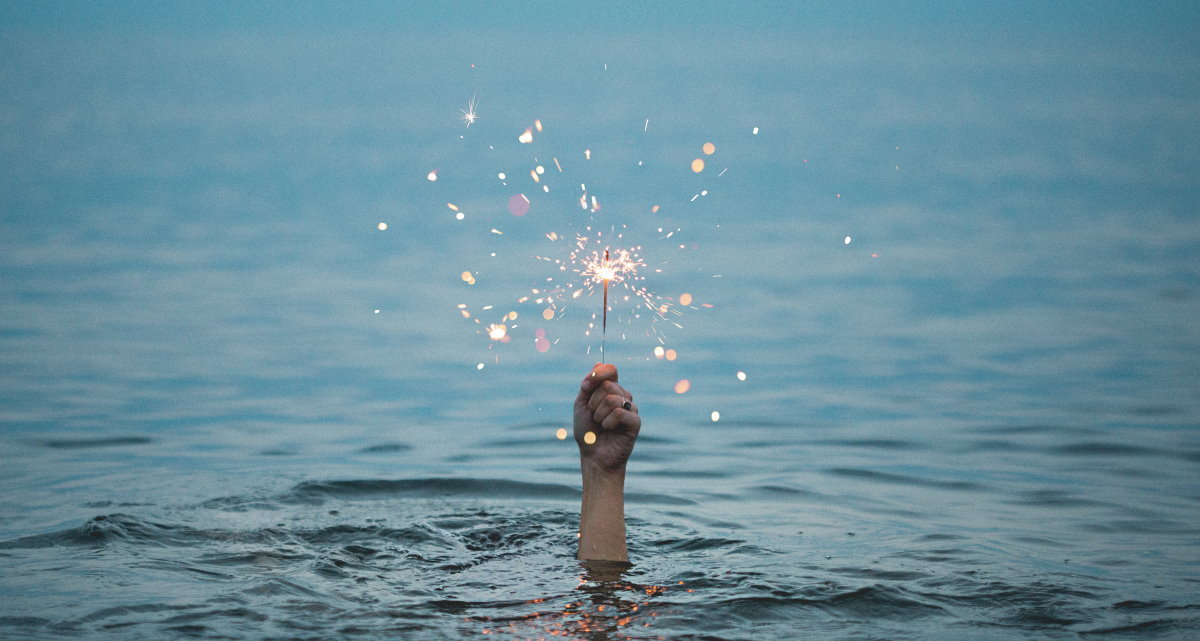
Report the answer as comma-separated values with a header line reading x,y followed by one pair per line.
x,y
497,331
613,267
468,115
584,271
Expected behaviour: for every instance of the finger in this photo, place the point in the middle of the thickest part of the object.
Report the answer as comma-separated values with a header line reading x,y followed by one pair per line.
x,y
610,405
604,372
621,418
603,405
606,388
586,387
589,382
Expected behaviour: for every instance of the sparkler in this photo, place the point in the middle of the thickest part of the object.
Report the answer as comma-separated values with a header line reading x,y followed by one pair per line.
x,y
607,270
604,323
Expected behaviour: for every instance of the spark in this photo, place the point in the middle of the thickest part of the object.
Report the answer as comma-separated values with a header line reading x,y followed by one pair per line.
x,y
613,267
468,115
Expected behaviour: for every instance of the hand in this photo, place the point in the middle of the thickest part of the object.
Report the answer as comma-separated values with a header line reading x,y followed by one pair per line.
x,y
605,410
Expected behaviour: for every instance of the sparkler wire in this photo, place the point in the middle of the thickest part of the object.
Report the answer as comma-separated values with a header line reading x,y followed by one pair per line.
x,y
604,322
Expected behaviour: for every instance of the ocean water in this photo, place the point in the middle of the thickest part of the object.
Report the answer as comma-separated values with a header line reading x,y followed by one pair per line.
x,y
956,269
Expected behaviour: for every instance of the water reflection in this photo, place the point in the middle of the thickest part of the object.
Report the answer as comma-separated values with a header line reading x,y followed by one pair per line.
x,y
606,606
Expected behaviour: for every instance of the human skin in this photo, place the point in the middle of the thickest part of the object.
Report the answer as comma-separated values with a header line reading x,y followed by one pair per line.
x,y
600,411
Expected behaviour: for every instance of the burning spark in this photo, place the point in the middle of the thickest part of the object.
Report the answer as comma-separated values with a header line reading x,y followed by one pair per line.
x,y
468,115
613,268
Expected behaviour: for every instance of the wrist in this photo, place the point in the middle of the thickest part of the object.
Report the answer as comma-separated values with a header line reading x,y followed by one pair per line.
x,y
595,472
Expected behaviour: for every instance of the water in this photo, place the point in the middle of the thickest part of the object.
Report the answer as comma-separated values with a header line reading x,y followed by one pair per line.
x,y
987,431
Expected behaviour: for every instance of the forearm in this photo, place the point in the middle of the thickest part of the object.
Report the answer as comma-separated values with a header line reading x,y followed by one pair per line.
x,y
602,515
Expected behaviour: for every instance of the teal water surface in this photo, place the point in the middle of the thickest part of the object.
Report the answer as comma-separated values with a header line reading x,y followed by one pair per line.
x,y
945,298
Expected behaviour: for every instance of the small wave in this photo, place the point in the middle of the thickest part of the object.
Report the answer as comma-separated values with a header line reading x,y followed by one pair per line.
x,y
873,443
1101,448
881,575
874,602
1056,499
385,448
1154,627
776,491
83,443
101,529
902,479
695,543
1035,428
318,491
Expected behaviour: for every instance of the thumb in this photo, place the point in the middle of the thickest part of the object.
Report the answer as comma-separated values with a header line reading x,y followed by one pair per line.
x,y
603,372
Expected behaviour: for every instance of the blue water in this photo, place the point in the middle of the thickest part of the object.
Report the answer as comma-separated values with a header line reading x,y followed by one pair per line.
x,y
233,407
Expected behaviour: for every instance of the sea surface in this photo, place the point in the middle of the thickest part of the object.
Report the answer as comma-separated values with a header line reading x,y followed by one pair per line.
x,y
942,352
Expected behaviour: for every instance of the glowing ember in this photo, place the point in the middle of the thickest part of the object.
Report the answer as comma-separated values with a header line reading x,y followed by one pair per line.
x,y
685,299
741,376
847,241
589,438
432,176
698,165
683,386
526,137
497,332
561,434
709,148
613,267
381,226
716,416
468,115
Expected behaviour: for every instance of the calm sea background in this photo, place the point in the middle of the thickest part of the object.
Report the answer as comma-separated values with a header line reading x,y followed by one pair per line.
x,y
233,407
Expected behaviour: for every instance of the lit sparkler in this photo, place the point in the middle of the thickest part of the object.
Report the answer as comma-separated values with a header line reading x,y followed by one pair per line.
x,y
594,265
605,271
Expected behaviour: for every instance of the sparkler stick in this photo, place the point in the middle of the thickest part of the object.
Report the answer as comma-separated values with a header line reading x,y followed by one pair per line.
x,y
604,322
